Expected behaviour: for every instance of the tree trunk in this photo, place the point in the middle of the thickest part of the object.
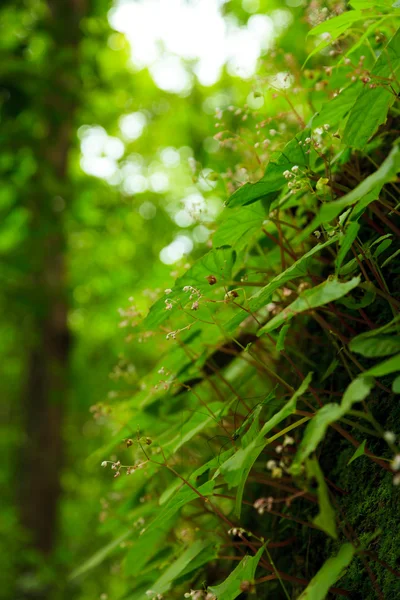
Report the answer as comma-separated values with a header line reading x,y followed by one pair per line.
x,y
46,389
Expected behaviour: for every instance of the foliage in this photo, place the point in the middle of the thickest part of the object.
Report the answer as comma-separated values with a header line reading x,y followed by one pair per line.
x,y
247,389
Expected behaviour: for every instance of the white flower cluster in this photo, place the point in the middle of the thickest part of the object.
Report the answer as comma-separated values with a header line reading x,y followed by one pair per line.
x,y
263,504
395,464
153,595
197,594
236,531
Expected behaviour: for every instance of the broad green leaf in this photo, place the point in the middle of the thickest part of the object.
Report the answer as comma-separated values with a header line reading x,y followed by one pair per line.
x,y
239,225
237,468
101,555
329,573
322,294
273,179
182,497
391,365
218,262
359,4
335,27
326,518
359,452
315,431
185,563
374,26
357,391
374,102
262,297
373,346
346,242
334,111
337,23
245,571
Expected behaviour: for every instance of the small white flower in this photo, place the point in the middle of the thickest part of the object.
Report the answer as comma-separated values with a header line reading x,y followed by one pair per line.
x,y
389,437
295,168
317,234
168,291
186,288
195,305
327,127
271,464
396,463
104,463
288,441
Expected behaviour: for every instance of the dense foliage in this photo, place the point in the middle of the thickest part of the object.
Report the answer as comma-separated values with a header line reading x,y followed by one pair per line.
x,y
251,436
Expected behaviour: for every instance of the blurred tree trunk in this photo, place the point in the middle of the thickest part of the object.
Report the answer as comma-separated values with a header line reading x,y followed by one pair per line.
x,y
46,389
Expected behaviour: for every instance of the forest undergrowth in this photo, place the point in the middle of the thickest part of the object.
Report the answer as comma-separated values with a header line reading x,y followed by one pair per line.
x,y
260,455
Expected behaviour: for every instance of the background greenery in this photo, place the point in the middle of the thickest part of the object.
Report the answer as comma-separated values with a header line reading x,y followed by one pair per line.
x,y
102,214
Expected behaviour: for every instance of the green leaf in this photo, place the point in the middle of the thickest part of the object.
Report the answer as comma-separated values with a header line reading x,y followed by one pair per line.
x,y
396,385
391,365
280,344
334,111
382,247
326,518
359,452
262,297
346,242
330,369
322,294
374,102
366,300
100,555
239,225
237,468
273,179
184,496
245,571
337,23
357,391
315,431
184,564
335,27
218,262
145,545
196,423
373,346
390,258
329,573
362,195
